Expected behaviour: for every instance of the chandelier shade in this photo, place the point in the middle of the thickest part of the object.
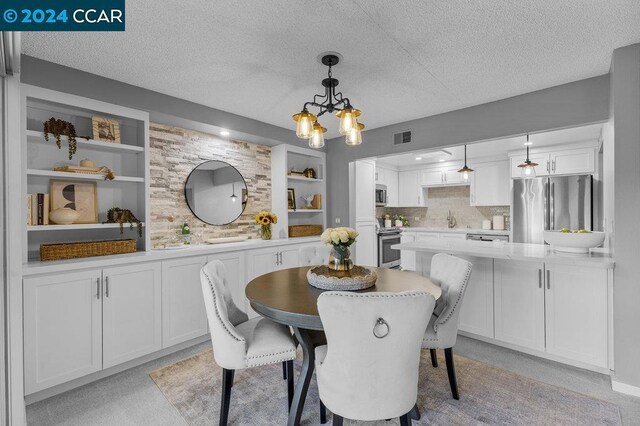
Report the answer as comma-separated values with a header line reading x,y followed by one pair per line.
x,y
528,168
331,102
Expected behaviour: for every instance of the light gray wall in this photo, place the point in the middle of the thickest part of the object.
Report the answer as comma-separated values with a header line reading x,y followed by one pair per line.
x,y
625,95
162,108
568,105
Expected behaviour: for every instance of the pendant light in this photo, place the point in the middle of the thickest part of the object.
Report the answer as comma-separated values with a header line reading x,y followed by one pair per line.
x,y
354,137
465,170
528,168
234,197
317,136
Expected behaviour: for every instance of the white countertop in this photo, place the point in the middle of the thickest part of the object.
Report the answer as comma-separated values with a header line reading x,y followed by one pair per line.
x,y
456,230
40,267
511,251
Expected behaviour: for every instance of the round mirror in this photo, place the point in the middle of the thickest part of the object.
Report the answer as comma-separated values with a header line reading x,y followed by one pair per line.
x,y
216,192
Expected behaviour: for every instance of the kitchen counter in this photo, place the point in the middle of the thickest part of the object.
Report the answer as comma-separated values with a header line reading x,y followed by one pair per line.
x,y
52,266
456,230
512,251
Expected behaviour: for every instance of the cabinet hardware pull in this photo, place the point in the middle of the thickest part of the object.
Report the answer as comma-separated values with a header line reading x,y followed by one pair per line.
x,y
106,286
539,278
547,166
548,279
98,288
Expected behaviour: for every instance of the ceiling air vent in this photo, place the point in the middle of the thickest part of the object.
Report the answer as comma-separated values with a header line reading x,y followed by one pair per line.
x,y
403,137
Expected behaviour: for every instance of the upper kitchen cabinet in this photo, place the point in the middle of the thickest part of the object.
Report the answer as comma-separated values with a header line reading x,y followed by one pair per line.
x,y
438,176
388,178
409,189
559,162
490,184
432,177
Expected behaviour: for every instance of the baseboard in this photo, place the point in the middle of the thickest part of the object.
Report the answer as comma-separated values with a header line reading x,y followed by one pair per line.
x,y
625,388
64,387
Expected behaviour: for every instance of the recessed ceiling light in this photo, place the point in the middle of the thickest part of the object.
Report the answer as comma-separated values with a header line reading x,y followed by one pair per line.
x,y
441,160
418,158
224,133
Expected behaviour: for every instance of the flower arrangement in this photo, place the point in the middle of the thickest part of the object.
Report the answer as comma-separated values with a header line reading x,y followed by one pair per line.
x,y
402,218
265,219
340,239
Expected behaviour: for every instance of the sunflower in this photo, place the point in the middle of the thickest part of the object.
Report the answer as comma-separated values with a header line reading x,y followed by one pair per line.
x,y
266,220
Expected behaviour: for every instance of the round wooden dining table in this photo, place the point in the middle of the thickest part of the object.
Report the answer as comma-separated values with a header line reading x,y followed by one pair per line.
x,y
286,297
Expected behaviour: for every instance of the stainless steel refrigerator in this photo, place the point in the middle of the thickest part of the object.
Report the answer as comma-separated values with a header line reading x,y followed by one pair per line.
x,y
550,203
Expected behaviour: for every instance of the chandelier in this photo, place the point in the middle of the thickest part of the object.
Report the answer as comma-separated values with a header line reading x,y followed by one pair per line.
x,y
308,126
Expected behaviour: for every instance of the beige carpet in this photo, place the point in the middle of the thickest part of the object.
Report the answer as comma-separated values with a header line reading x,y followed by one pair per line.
x,y
489,395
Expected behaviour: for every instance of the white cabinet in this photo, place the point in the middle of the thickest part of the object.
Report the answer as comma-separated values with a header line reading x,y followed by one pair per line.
x,y
366,246
453,235
364,191
476,313
561,162
407,258
263,261
490,184
183,312
519,303
573,161
132,316
62,328
577,313
452,176
409,189
389,178
431,177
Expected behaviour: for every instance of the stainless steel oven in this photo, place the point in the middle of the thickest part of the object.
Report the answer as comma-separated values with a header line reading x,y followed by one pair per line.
x,y
387,257
381,195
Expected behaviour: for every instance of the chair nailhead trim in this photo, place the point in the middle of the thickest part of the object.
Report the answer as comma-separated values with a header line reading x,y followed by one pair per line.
x,y
460,294
215,306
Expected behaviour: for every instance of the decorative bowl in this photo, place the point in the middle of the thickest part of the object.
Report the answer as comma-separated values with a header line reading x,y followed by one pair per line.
x,y
571,242
64,216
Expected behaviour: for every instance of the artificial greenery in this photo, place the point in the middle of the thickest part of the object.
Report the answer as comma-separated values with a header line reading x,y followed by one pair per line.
x,y
121,216
58,128
403,218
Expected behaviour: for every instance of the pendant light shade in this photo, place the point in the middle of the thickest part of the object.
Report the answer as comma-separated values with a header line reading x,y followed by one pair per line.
x,y
528,168
348,120
317,136
466,171
234,197
305,123
354,137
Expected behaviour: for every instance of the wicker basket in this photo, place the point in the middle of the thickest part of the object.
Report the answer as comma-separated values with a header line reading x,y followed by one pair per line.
x,y
60,251
304,230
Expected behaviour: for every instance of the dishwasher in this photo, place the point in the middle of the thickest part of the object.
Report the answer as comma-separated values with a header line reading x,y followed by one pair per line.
x,y
488,237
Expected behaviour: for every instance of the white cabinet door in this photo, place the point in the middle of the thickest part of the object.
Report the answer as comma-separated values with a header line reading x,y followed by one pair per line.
x,y
577,314
365,191
380,176
409,189
453,177
183,312
490,184
573,161
543,167
62,328
391,180
366,246
407,257
519,303
427,236
431,177
289,257
132,312
234,264
261,261
476,313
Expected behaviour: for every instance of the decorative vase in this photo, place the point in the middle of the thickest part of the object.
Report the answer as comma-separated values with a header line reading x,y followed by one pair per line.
x,y
398,223
340,259
265,232
64,216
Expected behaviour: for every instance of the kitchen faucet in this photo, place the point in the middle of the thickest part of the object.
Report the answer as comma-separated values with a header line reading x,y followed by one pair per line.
x,y
451,221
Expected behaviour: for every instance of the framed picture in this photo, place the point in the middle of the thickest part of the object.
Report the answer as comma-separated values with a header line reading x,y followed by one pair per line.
x,y
105,129
79,196
291,199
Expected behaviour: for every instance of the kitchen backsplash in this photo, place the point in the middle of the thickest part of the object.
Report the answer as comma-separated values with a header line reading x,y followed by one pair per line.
x,y
175,152
440,201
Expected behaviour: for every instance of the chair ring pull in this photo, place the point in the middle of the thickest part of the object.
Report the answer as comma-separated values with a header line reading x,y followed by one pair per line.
x,y
381,329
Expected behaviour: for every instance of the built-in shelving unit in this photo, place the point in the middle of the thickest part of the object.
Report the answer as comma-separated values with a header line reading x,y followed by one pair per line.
x,y
128,160
284,159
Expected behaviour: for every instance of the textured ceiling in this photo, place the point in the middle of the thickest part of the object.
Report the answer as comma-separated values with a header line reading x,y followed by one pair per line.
x,y
403,59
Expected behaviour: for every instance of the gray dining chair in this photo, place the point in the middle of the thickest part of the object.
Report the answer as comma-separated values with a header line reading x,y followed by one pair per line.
x,y
239,342
452,275
368,370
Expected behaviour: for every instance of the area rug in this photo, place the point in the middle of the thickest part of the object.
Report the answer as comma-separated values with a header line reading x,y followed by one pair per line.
x,y
488,395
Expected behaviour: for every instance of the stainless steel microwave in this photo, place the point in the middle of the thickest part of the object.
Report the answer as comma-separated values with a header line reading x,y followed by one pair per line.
x,y
381,195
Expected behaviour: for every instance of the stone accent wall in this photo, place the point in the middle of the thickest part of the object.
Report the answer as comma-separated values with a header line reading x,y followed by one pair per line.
x,y
174,152
439,201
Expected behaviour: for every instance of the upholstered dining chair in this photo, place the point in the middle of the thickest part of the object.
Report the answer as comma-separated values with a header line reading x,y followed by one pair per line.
x,y
239,342
452,275
314,255
368,370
